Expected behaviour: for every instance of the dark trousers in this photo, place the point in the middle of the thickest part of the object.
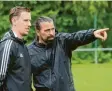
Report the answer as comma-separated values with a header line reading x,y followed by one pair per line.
x,y
42,89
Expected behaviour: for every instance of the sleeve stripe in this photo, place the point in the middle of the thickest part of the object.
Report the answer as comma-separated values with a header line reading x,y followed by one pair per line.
x,y
5,58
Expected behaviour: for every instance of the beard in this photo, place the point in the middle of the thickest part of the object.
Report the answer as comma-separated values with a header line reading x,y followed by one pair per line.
x,y
48,40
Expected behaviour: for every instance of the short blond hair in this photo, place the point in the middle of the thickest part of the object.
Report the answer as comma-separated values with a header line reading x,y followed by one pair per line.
x,y
16,11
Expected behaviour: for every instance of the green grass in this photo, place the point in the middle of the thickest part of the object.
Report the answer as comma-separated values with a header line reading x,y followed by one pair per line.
x,y
92,77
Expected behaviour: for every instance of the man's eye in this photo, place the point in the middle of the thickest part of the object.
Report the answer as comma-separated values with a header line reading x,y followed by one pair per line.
x,y
53,29
47,30
25,20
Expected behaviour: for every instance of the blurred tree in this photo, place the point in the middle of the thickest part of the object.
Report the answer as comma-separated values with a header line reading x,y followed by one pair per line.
x,y
69,16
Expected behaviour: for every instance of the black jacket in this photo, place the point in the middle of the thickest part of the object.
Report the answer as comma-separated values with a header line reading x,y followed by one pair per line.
x,y
51,64
15,66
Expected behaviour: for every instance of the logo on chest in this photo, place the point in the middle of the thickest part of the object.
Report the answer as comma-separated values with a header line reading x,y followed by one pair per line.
x,y
21,55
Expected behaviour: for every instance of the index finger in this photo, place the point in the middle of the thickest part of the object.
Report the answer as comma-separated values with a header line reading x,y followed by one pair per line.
x,y
105,29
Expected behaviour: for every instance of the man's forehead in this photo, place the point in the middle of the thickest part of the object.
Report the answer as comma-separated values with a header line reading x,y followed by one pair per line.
x,y
46,24
25,15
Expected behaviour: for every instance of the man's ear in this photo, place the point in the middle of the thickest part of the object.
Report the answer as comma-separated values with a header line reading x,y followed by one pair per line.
x,y
13,20
56,30
37,32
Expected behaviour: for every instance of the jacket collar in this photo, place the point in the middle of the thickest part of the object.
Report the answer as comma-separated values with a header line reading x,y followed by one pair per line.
x,y
16,38
36,43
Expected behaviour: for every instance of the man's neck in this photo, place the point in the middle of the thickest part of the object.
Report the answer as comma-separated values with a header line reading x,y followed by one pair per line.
x,y
16,33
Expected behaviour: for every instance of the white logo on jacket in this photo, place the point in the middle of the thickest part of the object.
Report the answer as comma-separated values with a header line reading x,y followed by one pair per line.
x,y
21,55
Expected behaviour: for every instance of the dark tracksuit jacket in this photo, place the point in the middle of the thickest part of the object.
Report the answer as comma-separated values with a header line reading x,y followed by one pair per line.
x,y
51,64
15,65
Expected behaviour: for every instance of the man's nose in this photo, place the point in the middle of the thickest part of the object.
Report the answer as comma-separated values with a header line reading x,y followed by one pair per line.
x,y
29,24
51,32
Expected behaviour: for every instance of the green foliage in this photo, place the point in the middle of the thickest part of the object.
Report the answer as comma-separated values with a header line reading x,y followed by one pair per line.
x,y
104,57
69,16
82,57
88,57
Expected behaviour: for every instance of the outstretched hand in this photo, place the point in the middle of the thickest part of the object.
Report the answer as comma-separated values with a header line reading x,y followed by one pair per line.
x,y
101,34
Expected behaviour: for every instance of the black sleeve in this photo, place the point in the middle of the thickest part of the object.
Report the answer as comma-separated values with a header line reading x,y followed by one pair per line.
x,y
5,53
73,40
32,58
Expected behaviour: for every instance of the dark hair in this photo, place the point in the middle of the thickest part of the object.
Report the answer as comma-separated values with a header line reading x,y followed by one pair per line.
x,y
40,20
16,11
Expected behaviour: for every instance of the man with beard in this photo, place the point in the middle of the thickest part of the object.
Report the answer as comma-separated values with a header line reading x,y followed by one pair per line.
x,y
51,54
